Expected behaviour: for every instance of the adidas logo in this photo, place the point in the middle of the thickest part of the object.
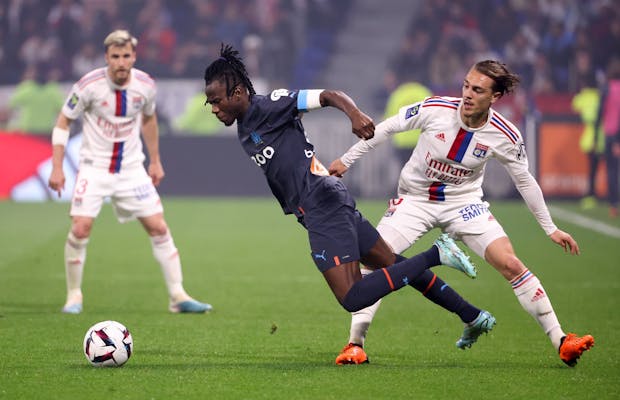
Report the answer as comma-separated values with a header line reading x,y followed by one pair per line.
x,y
538,295
441,136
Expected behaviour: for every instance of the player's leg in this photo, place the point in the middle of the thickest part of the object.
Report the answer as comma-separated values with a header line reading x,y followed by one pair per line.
x,y
534,299
429,284
75,257
167,255
90,189
404,215
355,293
147,208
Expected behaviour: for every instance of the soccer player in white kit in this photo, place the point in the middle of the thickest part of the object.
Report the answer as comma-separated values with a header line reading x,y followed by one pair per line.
x,y
441,187
117,102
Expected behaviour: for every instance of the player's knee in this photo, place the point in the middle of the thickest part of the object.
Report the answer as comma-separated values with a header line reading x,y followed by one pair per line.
x,y
81,229
512,266
156,227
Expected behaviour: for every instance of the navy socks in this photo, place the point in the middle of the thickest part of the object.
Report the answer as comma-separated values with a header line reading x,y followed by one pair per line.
x,y
385,280
439,292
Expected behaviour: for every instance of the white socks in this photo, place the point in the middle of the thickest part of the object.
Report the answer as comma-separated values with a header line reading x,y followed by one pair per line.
x,y
75,256
361,320
534,300
167,255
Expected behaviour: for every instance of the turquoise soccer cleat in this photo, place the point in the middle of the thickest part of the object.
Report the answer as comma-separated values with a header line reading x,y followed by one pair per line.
x,y
483,323
190,307
451,256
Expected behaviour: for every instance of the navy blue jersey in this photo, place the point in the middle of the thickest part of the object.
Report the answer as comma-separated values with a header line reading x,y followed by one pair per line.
x,y
272,135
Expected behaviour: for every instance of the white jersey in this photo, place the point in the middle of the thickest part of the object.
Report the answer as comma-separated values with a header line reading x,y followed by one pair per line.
x,y
447,164
112,118
449,160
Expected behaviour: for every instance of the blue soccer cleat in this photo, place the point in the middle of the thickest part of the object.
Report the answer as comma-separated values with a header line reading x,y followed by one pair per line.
x,y
451,256
190,307
74,308
483,323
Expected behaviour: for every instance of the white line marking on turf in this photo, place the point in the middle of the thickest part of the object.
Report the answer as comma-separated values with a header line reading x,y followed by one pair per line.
x,y
585,222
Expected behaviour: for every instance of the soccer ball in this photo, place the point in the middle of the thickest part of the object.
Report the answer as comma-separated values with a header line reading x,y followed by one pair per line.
x,y
108,344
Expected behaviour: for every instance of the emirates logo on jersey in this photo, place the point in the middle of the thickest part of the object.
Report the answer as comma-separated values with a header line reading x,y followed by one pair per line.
x,y
441,136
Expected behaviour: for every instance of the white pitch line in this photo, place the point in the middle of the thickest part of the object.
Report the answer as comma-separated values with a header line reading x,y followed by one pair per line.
x,y
585,222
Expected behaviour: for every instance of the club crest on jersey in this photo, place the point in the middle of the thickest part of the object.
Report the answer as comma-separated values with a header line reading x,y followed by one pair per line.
x,y
73,100
136,102
256,138
480,150
412,111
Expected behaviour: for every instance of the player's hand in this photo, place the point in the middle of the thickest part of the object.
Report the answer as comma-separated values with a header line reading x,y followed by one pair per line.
x,y
156,172
337,168
57,181
363,126
566,241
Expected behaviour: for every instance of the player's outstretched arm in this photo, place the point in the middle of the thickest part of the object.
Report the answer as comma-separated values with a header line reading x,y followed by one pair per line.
x,y
362,125
566,241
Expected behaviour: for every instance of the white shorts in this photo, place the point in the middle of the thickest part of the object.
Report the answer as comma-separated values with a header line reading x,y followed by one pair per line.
x,y
407,219
131,192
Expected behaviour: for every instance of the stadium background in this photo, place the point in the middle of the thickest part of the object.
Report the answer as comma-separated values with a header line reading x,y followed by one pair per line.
x,y
276,328
363,47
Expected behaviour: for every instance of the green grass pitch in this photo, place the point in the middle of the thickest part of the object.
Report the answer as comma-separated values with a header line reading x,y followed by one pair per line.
x,y
253,264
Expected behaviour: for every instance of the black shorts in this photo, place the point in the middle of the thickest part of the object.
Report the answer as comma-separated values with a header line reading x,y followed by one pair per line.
x,y
337,231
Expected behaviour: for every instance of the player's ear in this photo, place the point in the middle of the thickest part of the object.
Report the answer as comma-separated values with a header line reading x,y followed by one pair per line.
x,y
496,96
237,92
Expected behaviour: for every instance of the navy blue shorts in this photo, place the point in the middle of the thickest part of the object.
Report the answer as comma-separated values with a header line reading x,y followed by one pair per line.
x,y
337,231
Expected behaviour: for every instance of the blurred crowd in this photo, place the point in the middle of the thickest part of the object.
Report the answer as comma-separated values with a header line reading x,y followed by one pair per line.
x,y
176,37
554,45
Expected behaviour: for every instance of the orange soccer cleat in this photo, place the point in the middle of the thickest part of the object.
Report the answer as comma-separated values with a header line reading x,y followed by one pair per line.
x,y
352,354
573,346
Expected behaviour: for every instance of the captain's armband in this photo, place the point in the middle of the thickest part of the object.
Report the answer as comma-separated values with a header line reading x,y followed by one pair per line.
x,y
309,99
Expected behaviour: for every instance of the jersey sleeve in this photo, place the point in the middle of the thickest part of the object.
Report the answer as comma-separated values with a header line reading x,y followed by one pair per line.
x,y
149,104
408,117
76,102
513,157
292,102
284,101
412,116
383,131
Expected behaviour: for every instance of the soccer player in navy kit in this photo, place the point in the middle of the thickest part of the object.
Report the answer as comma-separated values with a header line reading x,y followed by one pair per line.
x,y
270,131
